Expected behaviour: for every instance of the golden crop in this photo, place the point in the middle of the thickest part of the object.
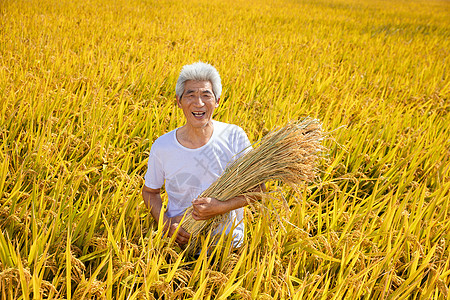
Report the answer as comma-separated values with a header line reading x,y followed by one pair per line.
x,y
86,87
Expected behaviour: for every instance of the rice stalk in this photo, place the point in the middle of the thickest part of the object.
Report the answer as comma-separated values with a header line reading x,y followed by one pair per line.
x,y
79,109
288,155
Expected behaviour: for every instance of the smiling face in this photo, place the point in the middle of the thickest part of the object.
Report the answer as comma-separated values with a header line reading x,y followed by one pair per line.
x,y
198,103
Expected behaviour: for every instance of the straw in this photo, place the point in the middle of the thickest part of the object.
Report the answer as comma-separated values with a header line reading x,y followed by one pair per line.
x,y
288,155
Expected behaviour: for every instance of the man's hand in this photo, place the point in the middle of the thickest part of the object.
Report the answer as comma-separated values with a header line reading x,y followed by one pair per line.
x,y
152,199
171,225
206,208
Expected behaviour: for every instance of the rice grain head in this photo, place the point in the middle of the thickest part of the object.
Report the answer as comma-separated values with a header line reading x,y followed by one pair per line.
x,y
288,154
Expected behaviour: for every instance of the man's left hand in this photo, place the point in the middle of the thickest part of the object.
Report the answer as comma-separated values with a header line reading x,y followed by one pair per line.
x,y
206,208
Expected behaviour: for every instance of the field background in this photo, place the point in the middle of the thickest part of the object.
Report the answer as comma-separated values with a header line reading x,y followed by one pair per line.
x,y
86,87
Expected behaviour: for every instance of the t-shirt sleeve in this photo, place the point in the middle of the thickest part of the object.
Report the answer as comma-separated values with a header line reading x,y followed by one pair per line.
x,y
154,178
242,143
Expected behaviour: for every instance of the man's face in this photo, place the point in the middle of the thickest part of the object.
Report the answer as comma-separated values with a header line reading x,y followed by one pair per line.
x,y
198,102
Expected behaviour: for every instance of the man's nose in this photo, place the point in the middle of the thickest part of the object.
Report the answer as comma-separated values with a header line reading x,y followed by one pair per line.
x,y
198,100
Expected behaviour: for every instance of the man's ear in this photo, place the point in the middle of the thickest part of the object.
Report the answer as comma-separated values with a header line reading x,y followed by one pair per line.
x,y
217,102
178,101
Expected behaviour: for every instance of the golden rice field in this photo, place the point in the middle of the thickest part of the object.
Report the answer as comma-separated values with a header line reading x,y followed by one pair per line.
x,y
86,86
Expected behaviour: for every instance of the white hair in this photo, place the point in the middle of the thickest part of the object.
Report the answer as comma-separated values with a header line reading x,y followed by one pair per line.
x,y
199,71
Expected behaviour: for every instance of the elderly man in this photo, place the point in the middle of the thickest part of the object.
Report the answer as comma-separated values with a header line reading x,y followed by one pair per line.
x,y
190,158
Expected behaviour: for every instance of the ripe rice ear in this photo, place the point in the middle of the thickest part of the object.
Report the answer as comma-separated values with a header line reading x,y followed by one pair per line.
x,y
288,155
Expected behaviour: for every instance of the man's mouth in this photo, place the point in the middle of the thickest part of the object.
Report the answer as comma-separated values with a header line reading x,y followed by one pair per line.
x,y
198,114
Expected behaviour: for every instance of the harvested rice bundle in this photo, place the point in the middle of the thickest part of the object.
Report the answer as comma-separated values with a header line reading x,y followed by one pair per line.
x,y
288,154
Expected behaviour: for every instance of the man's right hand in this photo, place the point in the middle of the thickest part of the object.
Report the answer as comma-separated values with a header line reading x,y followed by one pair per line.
x,y
152,199
171,225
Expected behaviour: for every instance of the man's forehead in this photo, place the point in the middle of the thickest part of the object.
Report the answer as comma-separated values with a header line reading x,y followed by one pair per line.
x,y
194,85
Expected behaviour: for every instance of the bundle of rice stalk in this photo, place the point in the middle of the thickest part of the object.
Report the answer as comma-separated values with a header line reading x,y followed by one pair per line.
x,y
288,155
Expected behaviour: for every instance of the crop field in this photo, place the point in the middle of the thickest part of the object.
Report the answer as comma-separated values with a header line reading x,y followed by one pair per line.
x,y
86,87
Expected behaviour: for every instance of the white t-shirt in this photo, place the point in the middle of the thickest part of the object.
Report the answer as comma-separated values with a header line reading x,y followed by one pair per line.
x,y
186,172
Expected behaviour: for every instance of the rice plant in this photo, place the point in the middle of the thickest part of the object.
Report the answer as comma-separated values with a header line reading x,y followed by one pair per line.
x,y
87,86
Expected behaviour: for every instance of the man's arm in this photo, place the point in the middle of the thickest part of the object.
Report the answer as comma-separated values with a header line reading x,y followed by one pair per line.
x,y
206,208
153,201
